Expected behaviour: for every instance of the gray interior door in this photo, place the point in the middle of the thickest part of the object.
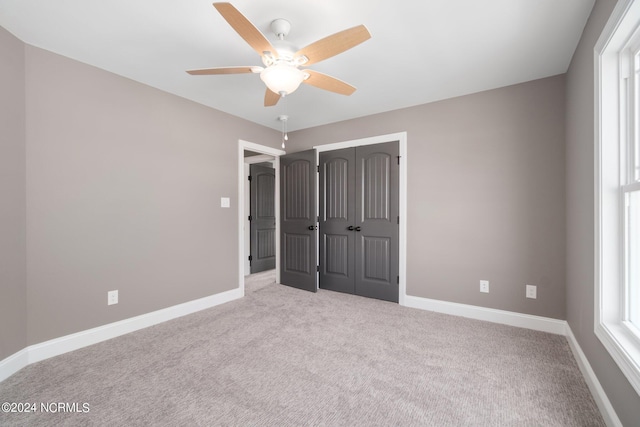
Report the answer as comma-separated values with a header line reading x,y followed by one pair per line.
x,y
337,220
262,218
359,213
298,220
377,216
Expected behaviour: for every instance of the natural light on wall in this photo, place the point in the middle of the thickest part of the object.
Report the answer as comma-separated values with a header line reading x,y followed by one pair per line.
x,y
617,192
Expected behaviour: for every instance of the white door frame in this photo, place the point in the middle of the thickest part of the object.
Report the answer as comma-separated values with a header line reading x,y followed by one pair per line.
x,y
401,137
242,146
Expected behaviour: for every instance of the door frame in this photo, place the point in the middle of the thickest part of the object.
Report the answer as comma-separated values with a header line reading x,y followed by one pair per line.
x,y
276,153
401,137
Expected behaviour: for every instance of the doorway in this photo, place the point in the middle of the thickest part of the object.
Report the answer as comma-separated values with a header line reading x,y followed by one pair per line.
x,y
250,153
262,217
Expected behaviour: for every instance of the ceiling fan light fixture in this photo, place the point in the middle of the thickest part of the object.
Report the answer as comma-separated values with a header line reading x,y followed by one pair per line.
x,y
282,78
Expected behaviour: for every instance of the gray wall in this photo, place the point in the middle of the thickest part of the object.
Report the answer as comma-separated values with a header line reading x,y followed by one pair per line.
x,y
13,290
580,218
123,192
485,193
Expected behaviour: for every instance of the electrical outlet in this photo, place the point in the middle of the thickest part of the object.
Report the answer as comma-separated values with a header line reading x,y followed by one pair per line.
x,y
532,291
112,297
484,286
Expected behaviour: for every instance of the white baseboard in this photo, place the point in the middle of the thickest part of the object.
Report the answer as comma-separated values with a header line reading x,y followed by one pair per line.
x,y
13,364
57,346
606,409
538,323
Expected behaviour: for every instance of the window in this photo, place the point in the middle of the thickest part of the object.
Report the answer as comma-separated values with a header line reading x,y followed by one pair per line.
x,y
630,182
617,293
633,258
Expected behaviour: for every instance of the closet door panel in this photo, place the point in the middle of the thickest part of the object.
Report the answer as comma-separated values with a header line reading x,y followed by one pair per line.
x,y
337,216
377,211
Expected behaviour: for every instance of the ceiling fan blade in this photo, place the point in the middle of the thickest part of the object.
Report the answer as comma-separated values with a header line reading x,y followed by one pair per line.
x,y
245,28
329,83
271,98
334,44
225,70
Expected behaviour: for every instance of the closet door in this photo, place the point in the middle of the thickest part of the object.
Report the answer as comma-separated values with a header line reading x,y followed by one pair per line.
x,y
298,220
377,216
337,220
359,231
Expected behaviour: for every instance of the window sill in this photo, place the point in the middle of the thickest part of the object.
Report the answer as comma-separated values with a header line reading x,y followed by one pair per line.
x,y
623,347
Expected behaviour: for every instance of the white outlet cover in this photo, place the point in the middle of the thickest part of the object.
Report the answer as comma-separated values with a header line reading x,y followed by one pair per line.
x,y
532,291
112,297
484,286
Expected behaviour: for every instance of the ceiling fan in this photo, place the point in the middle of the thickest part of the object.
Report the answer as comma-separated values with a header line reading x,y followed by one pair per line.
x,y
282,61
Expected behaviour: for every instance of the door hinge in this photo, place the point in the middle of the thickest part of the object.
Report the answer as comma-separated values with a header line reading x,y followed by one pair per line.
x,y
250,258
318,167
398,160
317,268
397,280
249,177
398,220
250,218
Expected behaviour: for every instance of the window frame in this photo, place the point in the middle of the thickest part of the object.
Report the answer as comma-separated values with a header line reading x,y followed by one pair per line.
x,y
615,84
629,59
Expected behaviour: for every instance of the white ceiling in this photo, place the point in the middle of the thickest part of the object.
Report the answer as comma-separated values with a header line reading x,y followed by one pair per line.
x,y
420,51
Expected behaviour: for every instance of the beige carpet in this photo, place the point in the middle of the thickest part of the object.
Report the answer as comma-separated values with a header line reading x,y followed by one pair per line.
x,y
284,357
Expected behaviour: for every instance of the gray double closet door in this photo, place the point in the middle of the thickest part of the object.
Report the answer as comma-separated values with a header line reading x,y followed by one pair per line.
x,y
358,218
358,221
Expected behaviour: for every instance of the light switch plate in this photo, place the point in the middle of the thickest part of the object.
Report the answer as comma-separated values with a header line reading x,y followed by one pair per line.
x,y
225,202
